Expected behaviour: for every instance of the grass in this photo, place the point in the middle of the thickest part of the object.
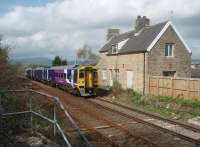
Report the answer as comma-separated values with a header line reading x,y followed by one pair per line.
x,y
176,108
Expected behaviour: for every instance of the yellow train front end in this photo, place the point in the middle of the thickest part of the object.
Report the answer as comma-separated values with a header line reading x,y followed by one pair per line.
x,y
87,80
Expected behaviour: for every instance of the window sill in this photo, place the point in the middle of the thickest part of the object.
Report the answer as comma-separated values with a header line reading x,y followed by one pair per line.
x,y
169,56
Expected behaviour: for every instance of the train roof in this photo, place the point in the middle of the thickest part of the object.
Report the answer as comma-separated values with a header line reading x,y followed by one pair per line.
x,y
61,67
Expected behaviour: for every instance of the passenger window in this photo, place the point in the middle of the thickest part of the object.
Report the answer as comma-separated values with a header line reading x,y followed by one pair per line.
x,y
81,75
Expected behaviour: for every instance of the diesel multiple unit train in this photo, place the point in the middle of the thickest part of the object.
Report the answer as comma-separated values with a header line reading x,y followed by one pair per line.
x,y
79,80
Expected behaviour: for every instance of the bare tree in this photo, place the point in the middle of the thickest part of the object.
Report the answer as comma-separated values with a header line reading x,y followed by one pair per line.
x,y
9,73
85,54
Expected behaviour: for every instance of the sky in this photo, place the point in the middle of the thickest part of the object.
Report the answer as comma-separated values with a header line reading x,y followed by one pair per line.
x,y
46,28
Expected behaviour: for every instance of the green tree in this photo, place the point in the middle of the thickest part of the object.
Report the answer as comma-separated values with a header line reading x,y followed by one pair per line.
x,y
57,61
64,62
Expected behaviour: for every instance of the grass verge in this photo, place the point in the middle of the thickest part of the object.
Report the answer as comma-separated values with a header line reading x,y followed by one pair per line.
x,y
175,108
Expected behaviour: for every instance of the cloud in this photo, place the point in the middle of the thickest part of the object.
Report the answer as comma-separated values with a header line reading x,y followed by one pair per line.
x,y
62,26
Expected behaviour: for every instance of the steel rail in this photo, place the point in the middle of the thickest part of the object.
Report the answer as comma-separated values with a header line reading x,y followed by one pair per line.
x,y
186,126
149,124
107,139
115,125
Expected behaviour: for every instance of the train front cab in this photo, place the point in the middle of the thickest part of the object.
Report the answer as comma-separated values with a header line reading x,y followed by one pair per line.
x,y
87,80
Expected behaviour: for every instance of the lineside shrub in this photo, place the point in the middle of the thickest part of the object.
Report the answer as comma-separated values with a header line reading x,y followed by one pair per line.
x,y
116,88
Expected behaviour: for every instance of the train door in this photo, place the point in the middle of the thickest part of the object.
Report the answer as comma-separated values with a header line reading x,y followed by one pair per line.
x,y
65,74
74,77
68,75
88,78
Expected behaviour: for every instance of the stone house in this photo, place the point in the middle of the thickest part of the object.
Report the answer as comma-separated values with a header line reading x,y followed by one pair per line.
x,y
130,57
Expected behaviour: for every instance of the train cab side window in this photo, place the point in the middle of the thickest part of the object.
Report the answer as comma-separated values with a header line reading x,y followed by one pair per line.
x,y
81,75
95,74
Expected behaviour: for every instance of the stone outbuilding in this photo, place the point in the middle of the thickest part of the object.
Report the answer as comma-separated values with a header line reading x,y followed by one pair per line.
x,y
130,57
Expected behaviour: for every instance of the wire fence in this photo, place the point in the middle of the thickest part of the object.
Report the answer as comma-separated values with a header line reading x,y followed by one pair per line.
x,y
44,113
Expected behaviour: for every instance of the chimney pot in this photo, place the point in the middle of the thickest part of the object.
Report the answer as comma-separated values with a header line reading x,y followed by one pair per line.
x,y
112,33
141,22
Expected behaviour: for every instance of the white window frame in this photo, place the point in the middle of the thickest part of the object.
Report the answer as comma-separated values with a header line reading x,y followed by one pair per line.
x,y
167,47
104,74
114,47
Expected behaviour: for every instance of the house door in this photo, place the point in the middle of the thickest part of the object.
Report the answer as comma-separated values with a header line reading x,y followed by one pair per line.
x,y
129,79
110,78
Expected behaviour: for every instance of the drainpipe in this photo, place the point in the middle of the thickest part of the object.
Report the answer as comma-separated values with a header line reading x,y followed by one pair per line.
x,y
144,75
116,66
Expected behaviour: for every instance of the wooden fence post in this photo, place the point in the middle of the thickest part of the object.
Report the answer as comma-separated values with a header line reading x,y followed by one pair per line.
x,y
188,88
157,86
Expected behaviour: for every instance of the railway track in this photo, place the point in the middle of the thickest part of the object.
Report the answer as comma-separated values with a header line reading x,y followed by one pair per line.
x,y
117,125
117,140
180,130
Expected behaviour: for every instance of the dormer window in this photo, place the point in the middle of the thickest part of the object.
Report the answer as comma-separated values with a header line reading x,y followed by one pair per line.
x,y
169,49
114,49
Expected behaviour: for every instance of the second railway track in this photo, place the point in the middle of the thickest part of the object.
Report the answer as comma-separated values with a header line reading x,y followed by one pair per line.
x,y
180,130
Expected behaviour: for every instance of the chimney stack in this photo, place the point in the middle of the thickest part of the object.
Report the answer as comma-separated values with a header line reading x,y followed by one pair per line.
x,y
141,22
112,33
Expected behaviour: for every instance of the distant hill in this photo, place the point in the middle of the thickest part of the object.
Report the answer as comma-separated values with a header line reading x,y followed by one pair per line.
x,y
195,61
47,62
38,60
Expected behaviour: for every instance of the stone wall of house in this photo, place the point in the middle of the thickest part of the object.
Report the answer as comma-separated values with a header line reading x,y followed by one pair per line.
x,y
180,62
118,65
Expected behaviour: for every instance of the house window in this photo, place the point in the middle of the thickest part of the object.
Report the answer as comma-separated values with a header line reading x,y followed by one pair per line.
x,y
169,47
169,73
114,48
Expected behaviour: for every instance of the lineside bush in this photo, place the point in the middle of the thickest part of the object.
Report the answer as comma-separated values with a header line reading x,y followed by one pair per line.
x,y
8,72
116,88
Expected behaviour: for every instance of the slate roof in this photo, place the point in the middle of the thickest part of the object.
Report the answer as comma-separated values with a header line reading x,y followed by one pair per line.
x,y
137,42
